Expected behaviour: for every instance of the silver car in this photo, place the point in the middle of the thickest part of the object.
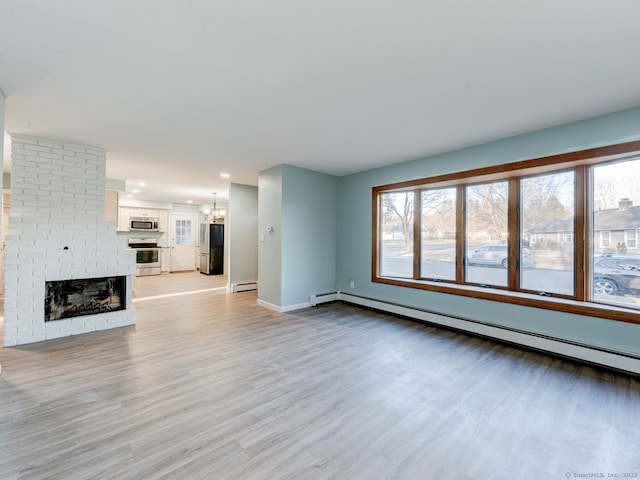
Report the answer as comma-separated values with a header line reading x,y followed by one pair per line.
x,y
497,256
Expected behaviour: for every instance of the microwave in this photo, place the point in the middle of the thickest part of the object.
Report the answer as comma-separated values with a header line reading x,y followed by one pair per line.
x,y
148,224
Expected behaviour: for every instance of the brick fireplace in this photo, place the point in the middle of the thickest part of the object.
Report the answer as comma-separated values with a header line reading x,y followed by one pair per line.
x,y
57,233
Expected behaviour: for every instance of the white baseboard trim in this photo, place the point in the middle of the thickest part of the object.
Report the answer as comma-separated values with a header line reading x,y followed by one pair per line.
x,y
285,309
291,308
268,305
617,361
313,301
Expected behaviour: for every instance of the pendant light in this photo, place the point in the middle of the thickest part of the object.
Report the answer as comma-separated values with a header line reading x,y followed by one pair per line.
x,y
218,215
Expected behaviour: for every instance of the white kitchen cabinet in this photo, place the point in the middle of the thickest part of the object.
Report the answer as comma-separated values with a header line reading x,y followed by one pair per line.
x,y
165,260
143,212
123,219
163,220
126,213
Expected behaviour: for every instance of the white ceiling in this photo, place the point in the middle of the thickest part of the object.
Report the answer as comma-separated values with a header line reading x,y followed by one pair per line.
x,y
181,91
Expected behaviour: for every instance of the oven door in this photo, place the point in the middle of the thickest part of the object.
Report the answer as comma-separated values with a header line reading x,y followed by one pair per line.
x,y
147,261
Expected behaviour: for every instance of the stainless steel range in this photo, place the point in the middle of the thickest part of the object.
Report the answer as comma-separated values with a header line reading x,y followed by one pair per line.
x,y
147,256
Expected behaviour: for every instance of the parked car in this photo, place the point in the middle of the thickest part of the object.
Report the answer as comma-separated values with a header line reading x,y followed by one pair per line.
x,y
617,274
497,255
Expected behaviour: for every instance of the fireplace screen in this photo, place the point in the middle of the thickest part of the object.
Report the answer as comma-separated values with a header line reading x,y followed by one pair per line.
x,y
71,298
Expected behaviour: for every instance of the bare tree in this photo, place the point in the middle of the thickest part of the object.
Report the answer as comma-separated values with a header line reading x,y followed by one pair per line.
x,y
541,198
630,187
399,207
487,208
614,182
605,193
439,210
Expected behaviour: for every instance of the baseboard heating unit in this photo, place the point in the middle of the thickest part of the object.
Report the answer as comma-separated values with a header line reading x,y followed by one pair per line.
x,y
323,298
244,287
615,360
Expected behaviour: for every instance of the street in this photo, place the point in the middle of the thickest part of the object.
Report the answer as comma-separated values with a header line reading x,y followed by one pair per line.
x,y
537,279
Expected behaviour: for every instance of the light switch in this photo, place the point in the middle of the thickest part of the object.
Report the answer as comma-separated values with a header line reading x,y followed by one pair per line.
x,y
261,237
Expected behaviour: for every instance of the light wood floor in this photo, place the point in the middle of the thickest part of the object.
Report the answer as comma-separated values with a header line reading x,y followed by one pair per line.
x,y
211,386
176,283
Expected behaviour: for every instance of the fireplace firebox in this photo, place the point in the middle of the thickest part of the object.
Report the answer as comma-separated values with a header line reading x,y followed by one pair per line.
x,y
88,296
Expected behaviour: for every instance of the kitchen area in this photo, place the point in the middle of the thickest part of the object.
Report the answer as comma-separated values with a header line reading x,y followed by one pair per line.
x,y
175,239
147,231
172,237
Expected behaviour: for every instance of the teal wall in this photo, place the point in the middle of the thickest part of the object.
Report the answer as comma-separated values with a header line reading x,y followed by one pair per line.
x,y
353,261
309,209
242,228
297,258
269,245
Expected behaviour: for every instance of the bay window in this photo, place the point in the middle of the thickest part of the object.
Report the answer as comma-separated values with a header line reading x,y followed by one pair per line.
x,y
557,232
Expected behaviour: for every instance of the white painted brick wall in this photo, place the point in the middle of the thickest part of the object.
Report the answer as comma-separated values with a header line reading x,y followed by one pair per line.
x,y
57,231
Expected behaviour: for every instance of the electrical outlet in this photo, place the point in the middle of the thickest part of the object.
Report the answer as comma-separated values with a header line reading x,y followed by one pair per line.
x,y
352,284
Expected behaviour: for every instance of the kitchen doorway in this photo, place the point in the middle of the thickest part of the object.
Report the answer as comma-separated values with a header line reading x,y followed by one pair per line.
x,y
183,241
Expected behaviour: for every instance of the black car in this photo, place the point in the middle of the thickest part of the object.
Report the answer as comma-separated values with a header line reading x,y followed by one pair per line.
x,y
617,274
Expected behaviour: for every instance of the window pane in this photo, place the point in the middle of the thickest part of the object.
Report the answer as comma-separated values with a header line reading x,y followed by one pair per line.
x,y
183,232
616,219
631,239
396,236
547,253
486,224
439,234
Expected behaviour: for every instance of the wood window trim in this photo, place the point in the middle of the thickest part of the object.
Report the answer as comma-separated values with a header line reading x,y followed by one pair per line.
x,y
509,171
558,304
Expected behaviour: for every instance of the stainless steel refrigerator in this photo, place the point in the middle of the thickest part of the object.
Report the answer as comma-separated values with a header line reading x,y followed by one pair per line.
x,y
211,248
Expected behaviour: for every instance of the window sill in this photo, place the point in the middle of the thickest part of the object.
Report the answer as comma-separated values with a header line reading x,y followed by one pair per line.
x,y
564,305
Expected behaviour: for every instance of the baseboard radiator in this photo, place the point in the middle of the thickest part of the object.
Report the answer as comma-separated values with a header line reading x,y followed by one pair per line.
x,y
244,287
323,298
586,353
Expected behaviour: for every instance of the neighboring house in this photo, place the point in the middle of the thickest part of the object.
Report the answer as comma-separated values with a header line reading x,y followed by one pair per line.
x,y
616,230
553,235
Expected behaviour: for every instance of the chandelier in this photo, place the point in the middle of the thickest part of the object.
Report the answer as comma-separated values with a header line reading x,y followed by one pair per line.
x,y
216,215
